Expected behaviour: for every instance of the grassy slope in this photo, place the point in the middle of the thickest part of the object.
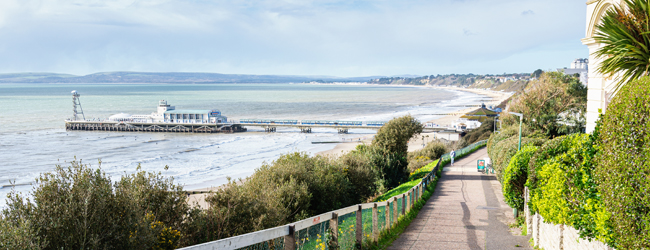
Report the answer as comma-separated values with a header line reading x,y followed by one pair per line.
x,y
414,179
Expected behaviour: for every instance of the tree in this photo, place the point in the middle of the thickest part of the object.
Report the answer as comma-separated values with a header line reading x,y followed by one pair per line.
x,y
554,104
537,73
389,149
624,34
394,135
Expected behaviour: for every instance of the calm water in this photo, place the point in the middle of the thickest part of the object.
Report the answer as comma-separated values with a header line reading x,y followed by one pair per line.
x,y
33,138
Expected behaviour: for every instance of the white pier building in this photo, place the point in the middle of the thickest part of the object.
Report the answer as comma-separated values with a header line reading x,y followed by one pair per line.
x,y
169,114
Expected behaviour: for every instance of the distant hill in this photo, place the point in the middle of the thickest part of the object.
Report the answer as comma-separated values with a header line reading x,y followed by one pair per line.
x,y
170,77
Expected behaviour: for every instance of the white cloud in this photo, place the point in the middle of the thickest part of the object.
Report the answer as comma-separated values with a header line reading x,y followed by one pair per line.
x,y
343,38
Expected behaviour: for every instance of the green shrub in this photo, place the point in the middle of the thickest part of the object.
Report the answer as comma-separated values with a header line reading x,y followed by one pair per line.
x,y
80,207
262,202
430,152
17,232
504,150
624,164
507,131
562,186
515,177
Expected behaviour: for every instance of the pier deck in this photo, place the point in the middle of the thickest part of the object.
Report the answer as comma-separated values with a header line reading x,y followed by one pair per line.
x,y
154,127
205,127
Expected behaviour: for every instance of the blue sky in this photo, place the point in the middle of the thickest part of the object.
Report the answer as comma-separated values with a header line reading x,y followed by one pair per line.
x,y
291,37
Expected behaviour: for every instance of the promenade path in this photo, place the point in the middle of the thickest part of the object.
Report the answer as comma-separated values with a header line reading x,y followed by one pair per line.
x,y
466,211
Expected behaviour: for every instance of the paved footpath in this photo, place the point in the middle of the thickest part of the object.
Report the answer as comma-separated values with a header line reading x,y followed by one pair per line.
x,y
465,212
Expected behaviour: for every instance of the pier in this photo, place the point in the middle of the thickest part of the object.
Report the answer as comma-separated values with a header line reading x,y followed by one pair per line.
x,y
153,127
231,127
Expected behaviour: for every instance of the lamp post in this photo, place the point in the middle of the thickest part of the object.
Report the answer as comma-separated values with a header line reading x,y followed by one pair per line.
x,y
521,119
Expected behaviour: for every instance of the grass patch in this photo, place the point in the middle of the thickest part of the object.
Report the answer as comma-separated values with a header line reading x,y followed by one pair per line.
x,y
414,179
398,190
423,171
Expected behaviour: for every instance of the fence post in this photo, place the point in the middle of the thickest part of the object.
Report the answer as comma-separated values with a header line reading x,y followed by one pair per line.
x,y
415,193
359,229
395,214
334,227
290,240
387,215
408,200
375,223
403,204
421,190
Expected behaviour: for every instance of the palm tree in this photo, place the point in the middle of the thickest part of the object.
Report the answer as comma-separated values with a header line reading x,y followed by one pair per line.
x,y
625,34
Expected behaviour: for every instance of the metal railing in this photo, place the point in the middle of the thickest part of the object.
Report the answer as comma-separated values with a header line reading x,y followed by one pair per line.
x,y
344,227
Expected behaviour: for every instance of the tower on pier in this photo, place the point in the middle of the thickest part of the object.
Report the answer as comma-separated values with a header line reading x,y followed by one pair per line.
x,y
76,102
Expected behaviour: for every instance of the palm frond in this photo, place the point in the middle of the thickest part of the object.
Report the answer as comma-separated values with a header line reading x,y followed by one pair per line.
x,y
624,34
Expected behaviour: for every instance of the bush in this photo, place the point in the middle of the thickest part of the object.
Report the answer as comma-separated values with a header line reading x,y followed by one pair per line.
x,y
430,152
506,132
293,187
504,150
623,164
515,177
562,186
80,207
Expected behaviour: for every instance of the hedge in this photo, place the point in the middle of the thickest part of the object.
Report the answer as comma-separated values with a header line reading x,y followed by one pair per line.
x,y
515,177
624,165
504,150
562,186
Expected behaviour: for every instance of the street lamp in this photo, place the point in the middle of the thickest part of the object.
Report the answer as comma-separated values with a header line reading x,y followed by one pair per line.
x,y
521,119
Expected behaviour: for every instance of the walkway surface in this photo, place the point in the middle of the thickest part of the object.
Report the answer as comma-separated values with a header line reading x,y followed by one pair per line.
x,y
466,211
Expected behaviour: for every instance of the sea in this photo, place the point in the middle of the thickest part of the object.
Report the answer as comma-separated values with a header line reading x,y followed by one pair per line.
x,y
33,139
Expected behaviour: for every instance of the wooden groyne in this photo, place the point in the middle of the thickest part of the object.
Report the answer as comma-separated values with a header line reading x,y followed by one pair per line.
x,y
153,127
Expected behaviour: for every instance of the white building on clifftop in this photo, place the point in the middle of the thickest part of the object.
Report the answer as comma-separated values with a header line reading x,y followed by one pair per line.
x,y
579,66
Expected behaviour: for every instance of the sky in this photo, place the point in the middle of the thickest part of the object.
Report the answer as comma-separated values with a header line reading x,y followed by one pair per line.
x,y
291,37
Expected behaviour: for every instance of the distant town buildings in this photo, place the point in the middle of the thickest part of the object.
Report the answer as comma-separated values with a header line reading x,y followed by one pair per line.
x,y
579,66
